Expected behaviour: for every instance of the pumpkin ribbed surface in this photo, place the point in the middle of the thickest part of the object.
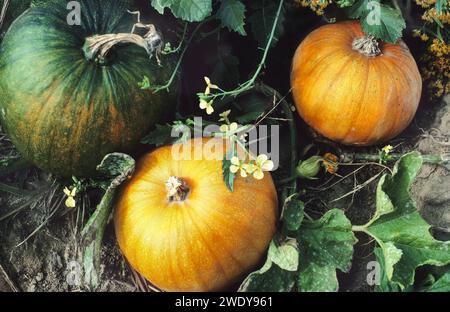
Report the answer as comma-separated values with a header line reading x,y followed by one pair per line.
x,y
64,112
205,242
350,97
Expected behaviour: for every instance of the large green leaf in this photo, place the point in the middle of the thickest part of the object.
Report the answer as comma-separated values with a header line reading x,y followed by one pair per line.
x,y
388,27
159,136
403,235
262,20
442,284
274,279
292,214
379,20
384,284
188,10
226,69
325,245
278,272
285,256
232,15
358,9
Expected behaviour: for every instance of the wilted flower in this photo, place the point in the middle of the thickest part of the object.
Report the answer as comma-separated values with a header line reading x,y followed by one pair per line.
x,y
330,162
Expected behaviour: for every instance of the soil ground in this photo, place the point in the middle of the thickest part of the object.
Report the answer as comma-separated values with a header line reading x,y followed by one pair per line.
x,y
48,260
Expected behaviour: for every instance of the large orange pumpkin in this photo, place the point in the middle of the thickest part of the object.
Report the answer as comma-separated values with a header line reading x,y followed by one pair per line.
x,y
353,89
198,236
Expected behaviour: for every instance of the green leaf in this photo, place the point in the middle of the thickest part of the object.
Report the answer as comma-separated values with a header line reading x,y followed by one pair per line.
x,y
285,256
231,14
177,132
159,5
440,5
188,10
292,214
160,136
274,279
251,107
226,71
386,25
442,284
228,176
277,273
384,284
378,19
359,9
391,255
345,3
403,235
325,245
145,84
262,20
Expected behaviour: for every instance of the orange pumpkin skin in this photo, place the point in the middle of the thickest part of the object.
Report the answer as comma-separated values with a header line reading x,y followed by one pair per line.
x,y
349,97
206,242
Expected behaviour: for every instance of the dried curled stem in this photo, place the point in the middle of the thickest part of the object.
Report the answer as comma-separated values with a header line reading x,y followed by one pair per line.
x,y
96,47
367,45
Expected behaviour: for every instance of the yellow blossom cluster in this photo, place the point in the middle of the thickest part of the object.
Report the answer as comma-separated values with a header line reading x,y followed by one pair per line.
x,y
317,6
436,69
426,3
435,66
431,15
255,168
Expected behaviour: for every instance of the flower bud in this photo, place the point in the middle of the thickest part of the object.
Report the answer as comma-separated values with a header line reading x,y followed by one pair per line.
x,y
308,169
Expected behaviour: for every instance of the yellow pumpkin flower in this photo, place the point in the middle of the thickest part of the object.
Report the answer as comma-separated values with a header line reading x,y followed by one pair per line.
x,y
70,201
229,128
387,149
209,86
262,164
237,165
204,104
224,116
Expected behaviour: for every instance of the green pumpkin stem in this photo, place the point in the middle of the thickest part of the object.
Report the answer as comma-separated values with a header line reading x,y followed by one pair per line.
x,y
96,47
367,46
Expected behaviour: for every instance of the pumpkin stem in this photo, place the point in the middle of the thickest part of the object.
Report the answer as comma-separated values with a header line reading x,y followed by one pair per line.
x,y
177,189
96,47
367,45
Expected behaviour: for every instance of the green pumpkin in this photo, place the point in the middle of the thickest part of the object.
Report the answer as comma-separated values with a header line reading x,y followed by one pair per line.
x,y
65,112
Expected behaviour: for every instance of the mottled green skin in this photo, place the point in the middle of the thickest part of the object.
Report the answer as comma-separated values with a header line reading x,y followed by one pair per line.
x,y
63,112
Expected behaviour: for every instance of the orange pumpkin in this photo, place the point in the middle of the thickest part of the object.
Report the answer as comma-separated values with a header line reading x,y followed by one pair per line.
x,y
353,89
182,229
